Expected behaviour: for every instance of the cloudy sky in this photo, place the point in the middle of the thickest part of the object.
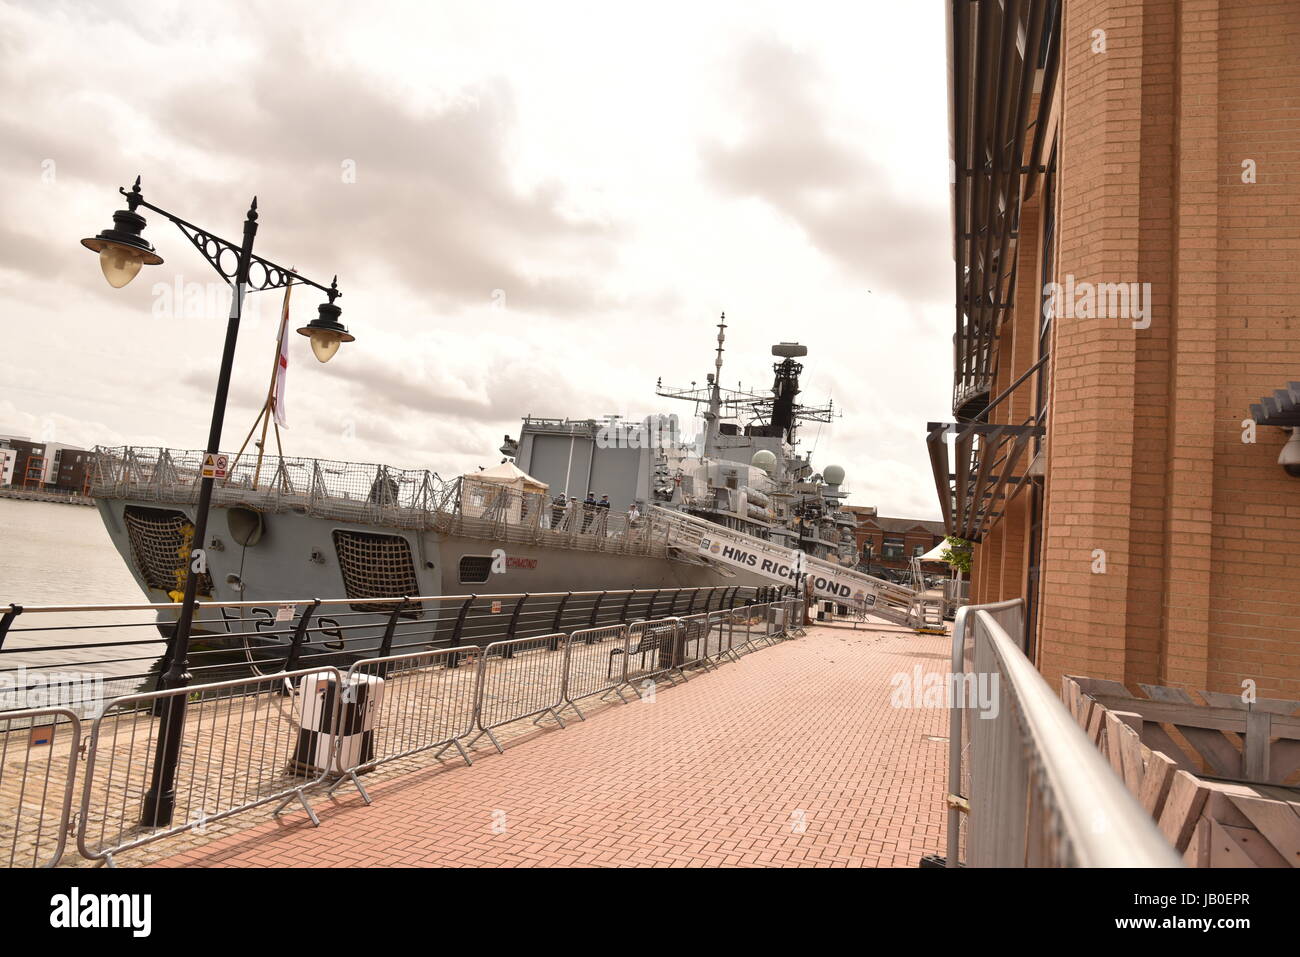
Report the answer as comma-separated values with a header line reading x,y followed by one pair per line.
x,y
532,209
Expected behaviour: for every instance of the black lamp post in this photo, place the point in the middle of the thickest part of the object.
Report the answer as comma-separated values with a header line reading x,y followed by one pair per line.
x,y
122,251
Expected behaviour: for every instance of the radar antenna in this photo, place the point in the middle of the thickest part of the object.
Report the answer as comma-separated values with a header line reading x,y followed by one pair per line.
x,y
776,413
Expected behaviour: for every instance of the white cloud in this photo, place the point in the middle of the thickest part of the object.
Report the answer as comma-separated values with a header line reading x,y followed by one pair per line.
x,y
606,167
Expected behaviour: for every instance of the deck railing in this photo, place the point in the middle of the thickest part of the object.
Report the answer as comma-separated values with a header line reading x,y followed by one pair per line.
x,y
376,495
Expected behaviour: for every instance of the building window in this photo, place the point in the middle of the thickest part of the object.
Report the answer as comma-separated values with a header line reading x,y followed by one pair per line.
x,y
893,547
918,550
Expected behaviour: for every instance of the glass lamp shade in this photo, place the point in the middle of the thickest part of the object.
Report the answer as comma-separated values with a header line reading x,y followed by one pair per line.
x,y
324,343
122,250
326,332
120,264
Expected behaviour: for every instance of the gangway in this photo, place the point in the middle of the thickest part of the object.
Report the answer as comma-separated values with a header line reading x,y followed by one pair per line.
x,y
706,542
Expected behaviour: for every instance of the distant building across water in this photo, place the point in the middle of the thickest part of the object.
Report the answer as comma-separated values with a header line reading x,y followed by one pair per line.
x,y
44,466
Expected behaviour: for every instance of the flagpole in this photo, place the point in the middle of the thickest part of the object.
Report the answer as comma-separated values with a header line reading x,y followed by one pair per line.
x,y
267,412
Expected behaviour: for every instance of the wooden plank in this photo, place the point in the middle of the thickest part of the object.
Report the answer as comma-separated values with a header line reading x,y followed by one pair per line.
x,y
1255,749
1280,706
1248,841
1170,695
1220,807
1134,768
1159,775
1085,712
1198,716
1283,760
1100,686
1096,723
1217,750
1157,738
1113,745
1079,703
1276,822
1130,718
1182,809
1198,848
1071,695
1225,850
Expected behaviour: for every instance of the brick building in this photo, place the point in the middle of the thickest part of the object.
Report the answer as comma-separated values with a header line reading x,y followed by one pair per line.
x,y
891,542
1111,454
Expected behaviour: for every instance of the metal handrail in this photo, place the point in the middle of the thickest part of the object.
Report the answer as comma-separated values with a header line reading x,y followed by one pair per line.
x,y
1101,823
389,599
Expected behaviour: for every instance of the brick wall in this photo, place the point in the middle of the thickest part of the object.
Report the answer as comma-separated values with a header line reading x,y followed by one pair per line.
x,y
1145,460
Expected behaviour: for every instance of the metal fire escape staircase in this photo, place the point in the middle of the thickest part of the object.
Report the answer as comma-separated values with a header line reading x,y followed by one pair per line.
x,y
694,539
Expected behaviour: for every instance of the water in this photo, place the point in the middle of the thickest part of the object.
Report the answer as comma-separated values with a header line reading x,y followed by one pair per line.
x,y
54,554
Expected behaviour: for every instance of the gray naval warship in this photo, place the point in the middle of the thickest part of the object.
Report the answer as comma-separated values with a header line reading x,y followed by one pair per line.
x,y
574,505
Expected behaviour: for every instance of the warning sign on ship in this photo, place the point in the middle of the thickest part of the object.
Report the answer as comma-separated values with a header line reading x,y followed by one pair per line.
x,y
214,466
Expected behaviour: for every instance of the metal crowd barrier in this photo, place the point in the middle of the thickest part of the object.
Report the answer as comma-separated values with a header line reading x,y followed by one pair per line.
x,y
755,622
589,668
245,743
252,741
650,651
715,636
517,679
38,762
428,701
1035,791
692,649
784,613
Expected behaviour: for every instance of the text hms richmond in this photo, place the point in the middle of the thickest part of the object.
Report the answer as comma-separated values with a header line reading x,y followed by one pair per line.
x,y
790,572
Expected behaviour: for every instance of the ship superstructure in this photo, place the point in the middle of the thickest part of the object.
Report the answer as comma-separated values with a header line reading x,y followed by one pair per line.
x,y
741,469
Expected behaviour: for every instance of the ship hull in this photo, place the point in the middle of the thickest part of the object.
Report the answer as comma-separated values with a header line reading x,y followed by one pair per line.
x,y
299,557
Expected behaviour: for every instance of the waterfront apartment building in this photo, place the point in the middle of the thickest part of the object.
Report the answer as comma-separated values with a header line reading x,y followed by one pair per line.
x,y
45,466
1126,196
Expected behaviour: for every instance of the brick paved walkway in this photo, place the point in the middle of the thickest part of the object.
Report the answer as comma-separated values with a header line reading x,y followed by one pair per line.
x,y
790,757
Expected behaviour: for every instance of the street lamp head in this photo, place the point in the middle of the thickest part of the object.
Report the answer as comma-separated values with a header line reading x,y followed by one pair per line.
x,y
325,331
122,250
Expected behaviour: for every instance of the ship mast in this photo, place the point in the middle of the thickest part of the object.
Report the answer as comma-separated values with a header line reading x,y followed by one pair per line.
x,y
714,415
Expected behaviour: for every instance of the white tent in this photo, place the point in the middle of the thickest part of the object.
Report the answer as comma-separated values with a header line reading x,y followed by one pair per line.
x,y
935,554
503,491
507,473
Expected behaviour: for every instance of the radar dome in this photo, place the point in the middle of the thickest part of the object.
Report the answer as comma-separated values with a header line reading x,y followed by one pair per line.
x,y
833,474
763,459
